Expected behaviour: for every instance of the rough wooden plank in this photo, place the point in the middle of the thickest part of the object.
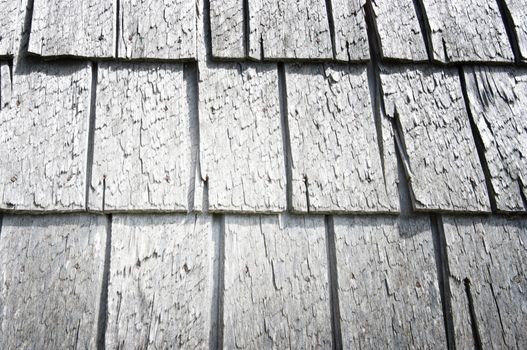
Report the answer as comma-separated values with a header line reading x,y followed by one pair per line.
x,y
11,25
5,85
276,283
160,284
281,29
336,160
241,147
227,29
487,258
143,146
470,30
498,102
388,286
51,278
71,28
435,139
399,30
159,29
351,36
44,136
518,13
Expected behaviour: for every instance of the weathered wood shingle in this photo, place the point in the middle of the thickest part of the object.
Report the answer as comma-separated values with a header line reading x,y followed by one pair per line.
x,y
517,9
488,281
241,152
11,25
276,283
336,162
44,128
160,284
387,281
142,145
73,28
227,28
470,30
498,103
351,36
435,139
51,277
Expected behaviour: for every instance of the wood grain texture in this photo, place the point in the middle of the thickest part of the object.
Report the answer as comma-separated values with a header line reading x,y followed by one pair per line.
x,y
337,165
51,278
487,259
5,85
351,35
241,148
11,25
388,287
143,146
160,285
70,28
518,14
157,29
498,102
435,139
44,135
399,31
227,29
470,30
282,29
276,283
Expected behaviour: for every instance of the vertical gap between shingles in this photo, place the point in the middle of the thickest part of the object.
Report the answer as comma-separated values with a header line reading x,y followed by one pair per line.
x,y
472,313
508,22
333,283
24,41
207,31
331,24
246,27
218,237
443,275
422,17
374,39
480,147
91,134
286,136
191,77
118,28
103,301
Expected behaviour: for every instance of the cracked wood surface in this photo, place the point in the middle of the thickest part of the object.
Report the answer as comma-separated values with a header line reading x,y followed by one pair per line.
x,y
282,29
160,284
44,128
159,29
351,36
241,151
435,139
498,103
518,13
470,30
487,259
276,283
52,268
73,28
399,31
142,148
387,282
11,25
331,124
5,85
227,28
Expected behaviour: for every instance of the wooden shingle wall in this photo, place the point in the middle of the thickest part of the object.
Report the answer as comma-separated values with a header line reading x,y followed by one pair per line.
x,y
263,174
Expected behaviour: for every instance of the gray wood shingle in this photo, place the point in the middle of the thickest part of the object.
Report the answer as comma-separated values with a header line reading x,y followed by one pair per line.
x,y
518,13
435,139
498,103
11,25
227,28
51,277
351,36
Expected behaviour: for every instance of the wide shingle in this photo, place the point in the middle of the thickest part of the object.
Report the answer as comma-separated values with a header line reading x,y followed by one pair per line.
x,y
337,164
487,260
276,283
498,103
160,284
51,277
435,139
142,145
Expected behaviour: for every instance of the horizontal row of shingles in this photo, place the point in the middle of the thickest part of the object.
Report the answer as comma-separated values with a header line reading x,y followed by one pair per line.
x,y
275,30
339,152
267,276
148,29
455,31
